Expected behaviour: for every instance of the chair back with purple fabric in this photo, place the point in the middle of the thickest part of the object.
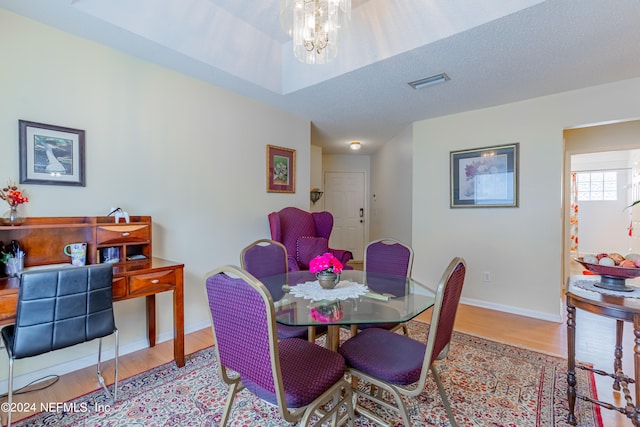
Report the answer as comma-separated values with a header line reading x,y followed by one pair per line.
x,y
444,311
400,364
281,373
243,323
264,258
303,234
388,256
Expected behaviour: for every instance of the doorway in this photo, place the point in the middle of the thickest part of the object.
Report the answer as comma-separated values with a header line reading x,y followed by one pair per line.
x,y
610,147
344,197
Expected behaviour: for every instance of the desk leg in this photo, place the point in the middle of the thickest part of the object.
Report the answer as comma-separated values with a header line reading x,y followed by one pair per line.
x,y
151,320
571,359
617,362
178,322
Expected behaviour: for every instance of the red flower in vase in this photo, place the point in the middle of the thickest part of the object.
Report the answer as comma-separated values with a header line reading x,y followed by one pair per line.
x,y
12,195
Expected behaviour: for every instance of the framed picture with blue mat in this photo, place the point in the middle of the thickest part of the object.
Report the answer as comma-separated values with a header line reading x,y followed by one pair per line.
x,y
485,177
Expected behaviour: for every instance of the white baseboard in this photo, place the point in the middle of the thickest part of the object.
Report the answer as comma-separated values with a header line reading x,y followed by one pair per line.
x,y
513,310
108,353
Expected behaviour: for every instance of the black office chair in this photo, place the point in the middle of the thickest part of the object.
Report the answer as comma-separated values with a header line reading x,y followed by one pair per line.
x,y
59,308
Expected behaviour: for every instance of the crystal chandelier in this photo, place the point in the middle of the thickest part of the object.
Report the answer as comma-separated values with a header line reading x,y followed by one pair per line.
x,y
316,26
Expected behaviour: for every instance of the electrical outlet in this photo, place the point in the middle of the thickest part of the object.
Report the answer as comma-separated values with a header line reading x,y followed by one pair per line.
x,y
486,276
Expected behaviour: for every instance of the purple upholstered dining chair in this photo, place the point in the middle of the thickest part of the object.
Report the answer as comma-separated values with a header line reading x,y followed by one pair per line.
x,y
390,257
305,235
400,364
264,258
299,377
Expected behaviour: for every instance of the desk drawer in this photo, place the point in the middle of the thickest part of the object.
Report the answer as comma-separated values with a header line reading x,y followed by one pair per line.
x,y
152,282
125,233
119,287
8,306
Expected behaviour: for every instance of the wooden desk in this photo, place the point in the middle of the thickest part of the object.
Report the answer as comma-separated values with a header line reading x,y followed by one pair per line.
x,y
623,310
134,280
43,240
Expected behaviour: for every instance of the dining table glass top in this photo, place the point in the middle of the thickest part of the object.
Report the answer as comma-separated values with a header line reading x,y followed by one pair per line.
x,y
358,298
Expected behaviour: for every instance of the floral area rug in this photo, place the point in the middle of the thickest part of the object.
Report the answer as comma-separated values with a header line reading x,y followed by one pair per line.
x,y
488,384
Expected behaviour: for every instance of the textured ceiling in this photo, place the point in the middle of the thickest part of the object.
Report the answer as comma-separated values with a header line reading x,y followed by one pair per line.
x,y
495,51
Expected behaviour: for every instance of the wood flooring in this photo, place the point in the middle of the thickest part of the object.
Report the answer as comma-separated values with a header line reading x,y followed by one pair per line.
x,y
595,337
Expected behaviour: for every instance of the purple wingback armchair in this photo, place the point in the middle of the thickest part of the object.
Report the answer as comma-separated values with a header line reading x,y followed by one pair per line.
x,y
305,235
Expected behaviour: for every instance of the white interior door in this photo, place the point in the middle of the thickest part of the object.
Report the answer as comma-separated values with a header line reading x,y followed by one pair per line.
x,y
344,194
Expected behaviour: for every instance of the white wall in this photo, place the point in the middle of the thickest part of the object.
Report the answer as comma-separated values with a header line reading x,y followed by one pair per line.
x,y
391,189
520,247
316,176
158,143
346,163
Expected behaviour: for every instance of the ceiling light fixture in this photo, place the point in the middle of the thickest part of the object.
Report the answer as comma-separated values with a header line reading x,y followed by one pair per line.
x,y
438,78
356,145
316,26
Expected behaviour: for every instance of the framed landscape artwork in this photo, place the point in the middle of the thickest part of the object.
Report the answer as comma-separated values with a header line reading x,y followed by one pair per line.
x,y
485,177
51,155
281,170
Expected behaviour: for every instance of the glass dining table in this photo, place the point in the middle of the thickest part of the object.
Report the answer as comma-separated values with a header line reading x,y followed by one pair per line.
x,y
358,298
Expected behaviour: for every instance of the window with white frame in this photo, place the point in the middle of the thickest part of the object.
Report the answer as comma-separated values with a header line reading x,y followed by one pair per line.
x,y
601,185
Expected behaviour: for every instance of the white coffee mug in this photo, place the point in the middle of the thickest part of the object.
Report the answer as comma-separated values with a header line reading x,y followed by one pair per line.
x,y
77,252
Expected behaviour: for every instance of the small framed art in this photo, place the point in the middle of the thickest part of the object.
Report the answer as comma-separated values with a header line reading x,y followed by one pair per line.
x,y
51,155
485,177
281,170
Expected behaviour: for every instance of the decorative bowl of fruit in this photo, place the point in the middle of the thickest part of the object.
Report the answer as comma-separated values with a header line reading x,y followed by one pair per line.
x,y
613,269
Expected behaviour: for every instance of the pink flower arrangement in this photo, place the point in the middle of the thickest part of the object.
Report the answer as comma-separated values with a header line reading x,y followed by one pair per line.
x,y
326,263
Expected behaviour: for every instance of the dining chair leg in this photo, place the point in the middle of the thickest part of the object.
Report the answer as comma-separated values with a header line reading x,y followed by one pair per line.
x,y
233,389
351,407
378,421
114,395
376,397
443,396
401,408
336,400
117,355
10,393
